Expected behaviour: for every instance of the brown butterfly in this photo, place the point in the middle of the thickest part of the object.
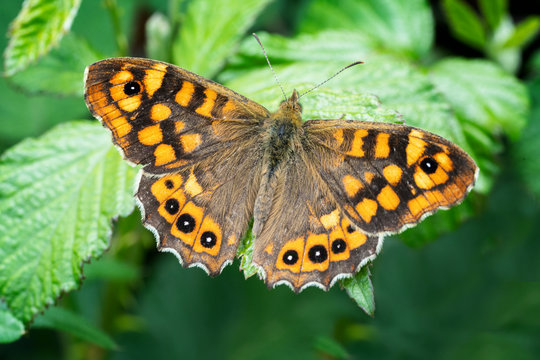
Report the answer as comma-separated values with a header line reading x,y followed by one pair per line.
x,y
322,193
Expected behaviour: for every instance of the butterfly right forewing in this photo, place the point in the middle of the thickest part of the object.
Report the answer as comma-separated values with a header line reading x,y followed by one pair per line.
x,y
387,177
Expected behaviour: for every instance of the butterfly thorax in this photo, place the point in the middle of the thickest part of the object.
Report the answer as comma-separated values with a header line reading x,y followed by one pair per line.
x,y
282,128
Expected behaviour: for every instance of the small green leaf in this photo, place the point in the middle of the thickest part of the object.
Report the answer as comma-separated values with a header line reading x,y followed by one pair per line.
x,y
210,30
64,64
464,23
67,321
330,348
360,289
404,27
10,327
38,27
484,94
158,37
245,253
524,32
493,11
58,194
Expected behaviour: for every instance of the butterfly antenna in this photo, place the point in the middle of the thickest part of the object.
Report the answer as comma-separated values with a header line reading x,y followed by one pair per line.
x,y
270,65
331,77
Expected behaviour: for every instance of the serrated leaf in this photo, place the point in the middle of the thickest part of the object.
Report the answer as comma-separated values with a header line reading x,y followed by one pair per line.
x,y
67,321
64,64
58,194
404,27
483,94
524,32
10,327
360,289
38,27
210,30
465,23
493,11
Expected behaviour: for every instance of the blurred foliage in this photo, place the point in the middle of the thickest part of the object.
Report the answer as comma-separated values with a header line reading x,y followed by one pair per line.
x,y
472,293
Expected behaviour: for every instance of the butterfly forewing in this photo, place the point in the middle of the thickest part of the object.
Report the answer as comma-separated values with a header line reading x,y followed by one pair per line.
x,y
388,176
165,117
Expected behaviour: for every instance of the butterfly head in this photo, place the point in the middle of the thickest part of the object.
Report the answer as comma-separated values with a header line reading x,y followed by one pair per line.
x,y
291,108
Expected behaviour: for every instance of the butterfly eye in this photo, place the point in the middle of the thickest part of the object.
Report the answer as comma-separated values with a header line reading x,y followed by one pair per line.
x,y
132,88
429,165
208,239
338,246
318,254
290,257
185,223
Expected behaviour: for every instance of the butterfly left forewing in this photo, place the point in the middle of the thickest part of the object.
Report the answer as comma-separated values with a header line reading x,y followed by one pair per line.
x,y
387,177
165,117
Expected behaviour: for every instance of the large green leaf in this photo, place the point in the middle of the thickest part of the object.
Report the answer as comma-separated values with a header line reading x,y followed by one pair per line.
x,y
39,26
210,31
482,93
64,64
404,27
58,194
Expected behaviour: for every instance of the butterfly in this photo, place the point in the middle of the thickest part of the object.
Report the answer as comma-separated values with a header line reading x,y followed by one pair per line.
x,y
322,194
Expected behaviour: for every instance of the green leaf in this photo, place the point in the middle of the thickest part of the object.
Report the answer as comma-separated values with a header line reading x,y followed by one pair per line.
x,y
58,194
360,289
67,321
524,32
158,37
464,23
493,11
64,64
210,30
10,327
484,94
404,27
38,27
330,348
245,253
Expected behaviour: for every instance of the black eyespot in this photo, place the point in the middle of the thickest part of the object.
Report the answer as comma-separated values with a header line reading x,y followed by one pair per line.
x,y
350,229
428,165
338,246
169,184
290,257
185,223
208,239
318,254
132,88
172,206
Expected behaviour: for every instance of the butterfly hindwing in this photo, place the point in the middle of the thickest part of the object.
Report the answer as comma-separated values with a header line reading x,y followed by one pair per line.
x,y
387,177
307,239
